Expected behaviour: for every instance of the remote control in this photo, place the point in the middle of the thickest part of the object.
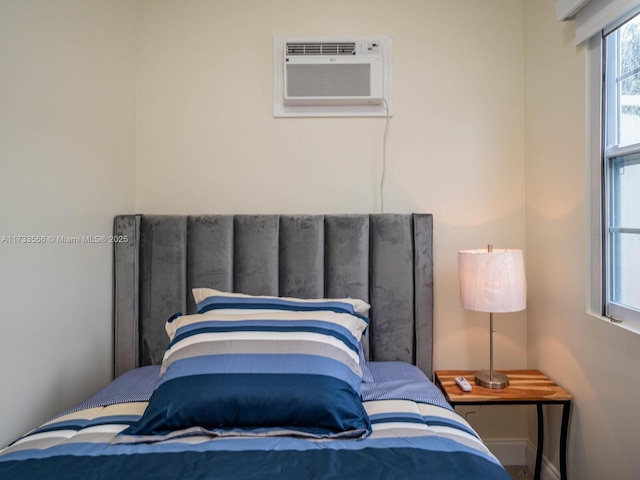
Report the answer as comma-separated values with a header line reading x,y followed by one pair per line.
x,y
463,384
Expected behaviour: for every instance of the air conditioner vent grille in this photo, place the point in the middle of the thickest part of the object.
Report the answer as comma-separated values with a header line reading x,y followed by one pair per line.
x,y
348,48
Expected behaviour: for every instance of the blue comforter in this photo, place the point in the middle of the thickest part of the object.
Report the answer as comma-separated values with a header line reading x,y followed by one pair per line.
x,y
416,435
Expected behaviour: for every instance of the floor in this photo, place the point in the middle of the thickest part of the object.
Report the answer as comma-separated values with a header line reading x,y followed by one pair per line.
x,y
518,472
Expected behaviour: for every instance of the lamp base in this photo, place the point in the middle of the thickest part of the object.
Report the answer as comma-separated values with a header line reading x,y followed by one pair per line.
x,y
498,380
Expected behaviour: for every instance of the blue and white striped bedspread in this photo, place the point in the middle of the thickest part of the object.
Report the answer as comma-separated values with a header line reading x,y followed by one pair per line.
x,y
412,438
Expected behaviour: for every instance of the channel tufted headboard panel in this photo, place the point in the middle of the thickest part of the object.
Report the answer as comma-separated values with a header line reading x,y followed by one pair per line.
x,y
384,259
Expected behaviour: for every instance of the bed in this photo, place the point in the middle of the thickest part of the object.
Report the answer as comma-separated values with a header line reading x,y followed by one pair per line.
x,y
265,346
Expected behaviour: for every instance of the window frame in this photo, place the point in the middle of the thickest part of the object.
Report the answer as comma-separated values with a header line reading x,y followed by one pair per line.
x,y
598,303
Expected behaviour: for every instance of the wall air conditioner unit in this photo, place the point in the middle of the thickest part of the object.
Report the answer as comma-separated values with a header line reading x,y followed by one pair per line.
x,y
322,76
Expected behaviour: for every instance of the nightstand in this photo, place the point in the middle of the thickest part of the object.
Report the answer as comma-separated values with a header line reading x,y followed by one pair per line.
x,y
526,387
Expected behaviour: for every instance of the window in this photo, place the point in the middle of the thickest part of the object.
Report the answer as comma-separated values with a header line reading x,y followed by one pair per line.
x,y
617,164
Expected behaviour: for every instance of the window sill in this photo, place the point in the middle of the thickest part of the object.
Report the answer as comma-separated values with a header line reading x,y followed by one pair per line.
x,y
626,325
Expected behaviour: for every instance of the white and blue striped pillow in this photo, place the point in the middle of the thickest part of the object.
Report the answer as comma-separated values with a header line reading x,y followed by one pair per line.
x,y
202,296
262,364
205,297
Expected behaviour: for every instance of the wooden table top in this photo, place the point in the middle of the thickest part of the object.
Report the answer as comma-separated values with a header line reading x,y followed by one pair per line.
x,y
524,386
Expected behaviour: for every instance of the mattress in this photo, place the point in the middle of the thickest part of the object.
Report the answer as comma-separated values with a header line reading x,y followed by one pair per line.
x,y
415,434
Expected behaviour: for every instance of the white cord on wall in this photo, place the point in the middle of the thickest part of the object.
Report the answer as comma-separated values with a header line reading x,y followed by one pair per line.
x,y
384,154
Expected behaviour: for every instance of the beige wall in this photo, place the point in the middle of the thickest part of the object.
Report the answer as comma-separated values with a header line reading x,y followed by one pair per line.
x,y
207,141
67,100
595,361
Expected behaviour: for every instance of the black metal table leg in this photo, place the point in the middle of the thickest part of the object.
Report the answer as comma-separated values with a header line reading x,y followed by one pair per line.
x,y
563,440
536,474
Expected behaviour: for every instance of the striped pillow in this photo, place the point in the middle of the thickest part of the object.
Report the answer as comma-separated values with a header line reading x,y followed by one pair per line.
x,y
206,298
264,365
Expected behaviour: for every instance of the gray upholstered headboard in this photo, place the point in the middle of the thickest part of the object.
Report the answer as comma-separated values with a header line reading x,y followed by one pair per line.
x,y
384,259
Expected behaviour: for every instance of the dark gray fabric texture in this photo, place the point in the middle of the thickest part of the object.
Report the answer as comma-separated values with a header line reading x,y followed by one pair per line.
x,y
383,259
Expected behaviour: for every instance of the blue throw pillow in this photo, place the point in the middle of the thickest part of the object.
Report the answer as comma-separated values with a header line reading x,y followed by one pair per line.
x,y
262,365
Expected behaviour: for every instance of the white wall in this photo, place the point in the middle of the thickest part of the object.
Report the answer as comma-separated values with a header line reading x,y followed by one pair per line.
x,y
595,361
207,141
67,129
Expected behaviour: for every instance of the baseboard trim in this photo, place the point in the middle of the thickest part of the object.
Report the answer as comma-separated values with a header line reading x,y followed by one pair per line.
x,y
548,471
520,451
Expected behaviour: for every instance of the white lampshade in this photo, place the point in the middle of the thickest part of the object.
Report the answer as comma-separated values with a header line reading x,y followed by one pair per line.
x,y
492,281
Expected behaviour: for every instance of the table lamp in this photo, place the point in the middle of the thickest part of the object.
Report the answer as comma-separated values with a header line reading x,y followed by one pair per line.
x,y
492,281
